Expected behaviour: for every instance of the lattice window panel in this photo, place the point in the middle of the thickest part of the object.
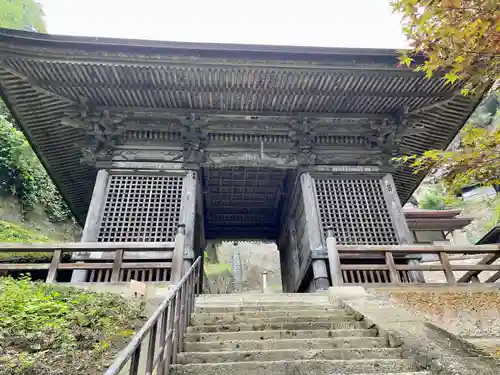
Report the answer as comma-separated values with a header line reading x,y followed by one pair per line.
x,y
357,211
141,208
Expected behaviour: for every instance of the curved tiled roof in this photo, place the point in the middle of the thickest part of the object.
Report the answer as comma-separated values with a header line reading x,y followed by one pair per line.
x,y
43,77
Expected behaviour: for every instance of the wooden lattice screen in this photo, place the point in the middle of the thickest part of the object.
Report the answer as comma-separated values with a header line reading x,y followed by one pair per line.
x,y
357,211
141,208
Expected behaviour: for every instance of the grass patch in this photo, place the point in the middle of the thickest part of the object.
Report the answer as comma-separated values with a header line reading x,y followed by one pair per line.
x,y
217,278
16,233
218,269
50,329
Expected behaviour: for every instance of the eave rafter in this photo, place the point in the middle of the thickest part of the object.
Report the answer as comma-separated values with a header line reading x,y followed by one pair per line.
x,y
176,60
36,87
181,88
447,98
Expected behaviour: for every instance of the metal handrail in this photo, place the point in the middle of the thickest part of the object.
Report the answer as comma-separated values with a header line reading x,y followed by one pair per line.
x,y
167,325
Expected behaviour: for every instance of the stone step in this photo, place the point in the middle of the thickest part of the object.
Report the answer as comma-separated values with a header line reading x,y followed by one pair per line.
x,y
287,354
262,300
259,294
311,315
218,320
489,344
329,343
305,367
260,307
280,334
259,326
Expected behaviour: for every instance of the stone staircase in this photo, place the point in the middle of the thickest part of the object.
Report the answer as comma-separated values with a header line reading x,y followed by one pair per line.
x,y
284,334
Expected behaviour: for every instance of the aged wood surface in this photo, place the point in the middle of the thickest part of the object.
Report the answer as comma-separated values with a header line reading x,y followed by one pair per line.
x,y
72,247
218,97
389,271
111,271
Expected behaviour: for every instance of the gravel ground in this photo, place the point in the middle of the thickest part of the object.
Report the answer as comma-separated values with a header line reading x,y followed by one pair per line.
x,y
468,314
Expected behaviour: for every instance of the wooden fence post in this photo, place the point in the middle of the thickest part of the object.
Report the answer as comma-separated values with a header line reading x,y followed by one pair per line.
x,y
178,257
448,271
393,272
333,259
54,264
117,265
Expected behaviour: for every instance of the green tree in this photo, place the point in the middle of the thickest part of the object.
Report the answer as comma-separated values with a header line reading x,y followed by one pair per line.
x,y
460,38
21,172
22,15
475,162
23,175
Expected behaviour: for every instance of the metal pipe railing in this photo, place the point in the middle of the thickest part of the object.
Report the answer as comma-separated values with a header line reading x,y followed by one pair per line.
x,y
165,330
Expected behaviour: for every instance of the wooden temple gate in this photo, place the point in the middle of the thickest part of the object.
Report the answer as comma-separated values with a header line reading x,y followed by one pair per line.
x,y
232,142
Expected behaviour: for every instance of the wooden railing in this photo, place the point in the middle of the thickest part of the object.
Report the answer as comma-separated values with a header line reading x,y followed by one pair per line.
x,y
118,261
164,331
399,264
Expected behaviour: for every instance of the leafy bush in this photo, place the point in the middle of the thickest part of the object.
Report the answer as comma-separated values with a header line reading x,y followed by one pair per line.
x,y
51,329
22,174
433,199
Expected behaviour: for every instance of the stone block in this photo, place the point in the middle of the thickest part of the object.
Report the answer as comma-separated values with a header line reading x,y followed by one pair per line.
x,y
346,293
279,334
305,344
263,326
304,367
289,355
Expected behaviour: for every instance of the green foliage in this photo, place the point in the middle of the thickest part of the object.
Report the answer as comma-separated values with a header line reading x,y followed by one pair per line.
x,y
433,199
217,278
218,269
22,174
495,215
460,37
50,329
475,162
10,232
20,170
22,15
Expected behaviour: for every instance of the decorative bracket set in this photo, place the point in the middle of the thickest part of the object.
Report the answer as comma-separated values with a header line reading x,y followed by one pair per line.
x,y
104,131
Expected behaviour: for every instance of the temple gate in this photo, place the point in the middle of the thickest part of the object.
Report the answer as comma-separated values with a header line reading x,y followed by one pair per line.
x,y
232,142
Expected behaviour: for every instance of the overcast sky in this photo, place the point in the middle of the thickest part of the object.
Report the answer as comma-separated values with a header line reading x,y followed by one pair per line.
x,y
326,23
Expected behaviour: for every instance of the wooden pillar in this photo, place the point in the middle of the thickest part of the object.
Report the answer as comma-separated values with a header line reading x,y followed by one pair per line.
x,y
293,258
333,259
188,213
178,257
92,222
320,273
403,233
314,232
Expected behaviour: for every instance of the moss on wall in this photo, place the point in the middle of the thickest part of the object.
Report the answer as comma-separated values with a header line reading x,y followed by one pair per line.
x,y
17,233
